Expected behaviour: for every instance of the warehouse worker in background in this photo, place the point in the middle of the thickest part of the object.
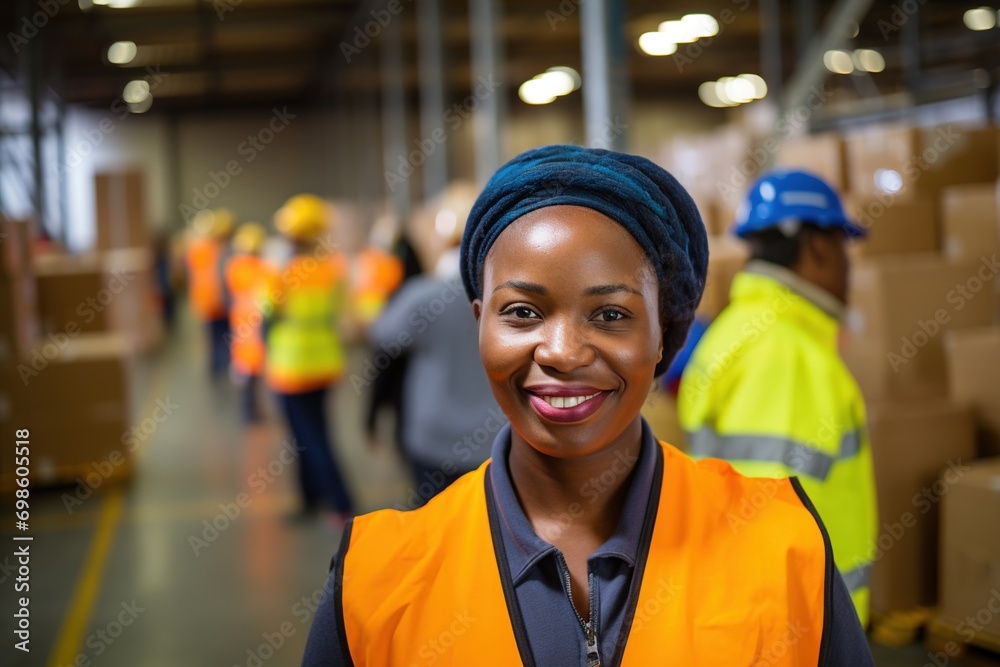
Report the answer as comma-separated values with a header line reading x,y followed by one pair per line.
x,y
207,254
766,389
305,357
446,397
246,280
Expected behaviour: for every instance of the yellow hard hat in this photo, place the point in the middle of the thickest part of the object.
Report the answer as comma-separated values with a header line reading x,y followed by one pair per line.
x,y
223,222
217,223
249,238
201,223
303,217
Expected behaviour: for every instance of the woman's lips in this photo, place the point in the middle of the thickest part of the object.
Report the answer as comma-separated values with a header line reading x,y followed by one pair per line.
x,y
566,405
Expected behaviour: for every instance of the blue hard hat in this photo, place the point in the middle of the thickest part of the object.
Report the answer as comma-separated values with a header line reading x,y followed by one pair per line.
x,y
782,196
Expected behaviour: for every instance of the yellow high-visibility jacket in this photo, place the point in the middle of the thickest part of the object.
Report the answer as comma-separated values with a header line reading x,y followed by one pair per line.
x,y
304,352
767,391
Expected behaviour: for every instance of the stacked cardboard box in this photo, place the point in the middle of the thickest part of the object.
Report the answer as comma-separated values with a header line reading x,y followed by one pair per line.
x,y
72,396
916,447
100,292
899,309
971,220
974,374
18,313
970,553
121,210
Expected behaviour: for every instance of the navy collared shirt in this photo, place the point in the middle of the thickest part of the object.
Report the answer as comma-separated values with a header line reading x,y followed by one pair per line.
x,y
555,633
541,579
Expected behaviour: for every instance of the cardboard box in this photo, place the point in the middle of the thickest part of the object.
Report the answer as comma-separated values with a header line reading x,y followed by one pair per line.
x,y
15,247
899,307
974,379
903,161
970,548
895,226
121,210
70,293
75,402
970,216
726,257
19,326
914,445
135,311
824,154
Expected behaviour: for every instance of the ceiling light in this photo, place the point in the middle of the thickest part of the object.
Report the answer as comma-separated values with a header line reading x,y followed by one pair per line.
x,y
535,91
558,82
572,73
700,25
838,62
739,90
141,107
758,83
868,60
136,91
980,18
678,32
707,94
121,53
657,44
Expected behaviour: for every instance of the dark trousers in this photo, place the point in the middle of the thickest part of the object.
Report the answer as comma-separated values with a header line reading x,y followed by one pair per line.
x,y
218,346
251,408
319,476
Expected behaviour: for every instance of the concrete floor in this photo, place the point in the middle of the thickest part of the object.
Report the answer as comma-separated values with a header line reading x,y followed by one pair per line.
x,y
127,556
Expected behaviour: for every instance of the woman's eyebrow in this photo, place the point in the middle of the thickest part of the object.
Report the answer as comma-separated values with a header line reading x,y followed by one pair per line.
x,y
599,290
523,286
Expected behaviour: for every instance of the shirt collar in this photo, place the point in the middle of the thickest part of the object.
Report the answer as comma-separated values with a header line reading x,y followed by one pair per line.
x,y
526,549
812,293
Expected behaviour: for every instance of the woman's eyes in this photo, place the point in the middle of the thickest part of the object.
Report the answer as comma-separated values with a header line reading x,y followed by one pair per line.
x,y
520,312
608,315
611,315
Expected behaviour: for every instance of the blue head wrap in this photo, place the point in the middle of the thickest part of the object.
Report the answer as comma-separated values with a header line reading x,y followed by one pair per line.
x,y
637,194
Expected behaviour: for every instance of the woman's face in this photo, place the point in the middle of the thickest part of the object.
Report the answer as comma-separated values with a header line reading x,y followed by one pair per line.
x,y
569,330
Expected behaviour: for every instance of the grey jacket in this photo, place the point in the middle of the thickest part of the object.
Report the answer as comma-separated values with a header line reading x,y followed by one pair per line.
x,y
450,414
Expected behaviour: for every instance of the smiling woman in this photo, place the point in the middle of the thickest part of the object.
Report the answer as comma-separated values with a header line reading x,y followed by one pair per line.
x,y
584,540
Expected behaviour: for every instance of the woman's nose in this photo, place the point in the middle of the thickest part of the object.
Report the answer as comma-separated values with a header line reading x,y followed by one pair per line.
x,y
564,347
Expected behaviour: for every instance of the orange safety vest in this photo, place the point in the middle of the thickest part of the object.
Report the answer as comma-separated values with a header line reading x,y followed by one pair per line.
x,y
205,279
377,274
304,352
246,278
738,572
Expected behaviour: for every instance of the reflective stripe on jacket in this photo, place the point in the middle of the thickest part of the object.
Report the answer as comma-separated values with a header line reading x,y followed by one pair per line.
x,y
767,391
408,583
304,351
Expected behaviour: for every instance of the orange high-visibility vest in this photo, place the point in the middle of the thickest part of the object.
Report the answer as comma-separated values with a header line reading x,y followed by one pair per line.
x,y
738,572
376,276
304,352
205,279
246,278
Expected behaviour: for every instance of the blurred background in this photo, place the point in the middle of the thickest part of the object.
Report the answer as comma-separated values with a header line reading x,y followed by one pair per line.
x,y
138,137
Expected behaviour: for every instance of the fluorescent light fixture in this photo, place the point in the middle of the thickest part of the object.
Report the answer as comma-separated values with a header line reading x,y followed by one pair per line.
x,y
121,53
980,18
838,62
657,44
136,91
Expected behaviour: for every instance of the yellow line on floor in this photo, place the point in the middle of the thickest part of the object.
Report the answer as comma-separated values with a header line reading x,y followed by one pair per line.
x,y
88,585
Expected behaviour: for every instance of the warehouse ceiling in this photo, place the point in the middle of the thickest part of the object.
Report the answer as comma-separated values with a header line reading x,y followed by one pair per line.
x,y
206,55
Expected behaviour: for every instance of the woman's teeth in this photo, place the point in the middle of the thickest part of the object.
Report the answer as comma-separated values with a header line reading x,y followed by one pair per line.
x,y
567,401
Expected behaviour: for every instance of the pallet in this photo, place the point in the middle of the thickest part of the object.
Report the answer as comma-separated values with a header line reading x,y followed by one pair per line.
x,y
899,628
67,475
947,639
